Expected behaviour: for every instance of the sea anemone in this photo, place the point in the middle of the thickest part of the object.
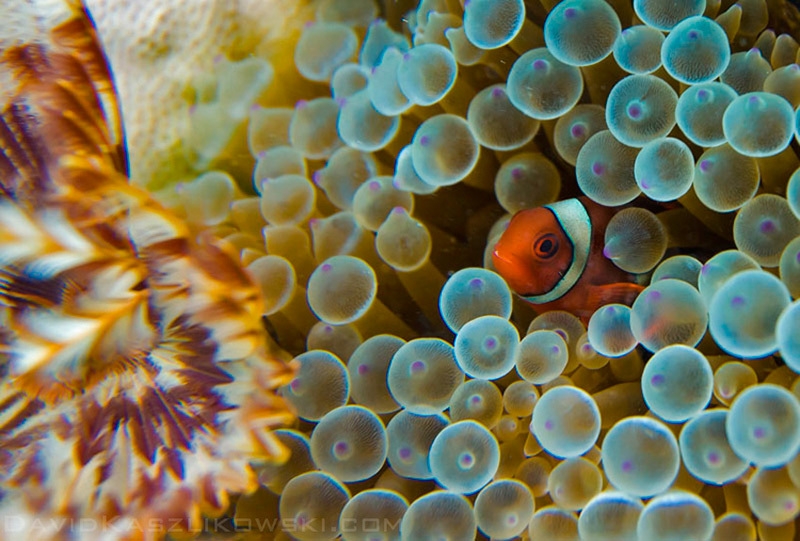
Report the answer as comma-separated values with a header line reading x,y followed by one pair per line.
x,y
334,182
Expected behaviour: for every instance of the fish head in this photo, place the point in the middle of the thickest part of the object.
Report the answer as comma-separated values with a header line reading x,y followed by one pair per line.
x,y
534,252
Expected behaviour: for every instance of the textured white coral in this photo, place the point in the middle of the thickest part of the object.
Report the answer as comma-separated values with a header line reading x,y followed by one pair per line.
x,y
158,48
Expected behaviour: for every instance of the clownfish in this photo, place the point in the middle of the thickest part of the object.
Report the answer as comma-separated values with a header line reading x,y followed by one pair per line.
x,y
552,257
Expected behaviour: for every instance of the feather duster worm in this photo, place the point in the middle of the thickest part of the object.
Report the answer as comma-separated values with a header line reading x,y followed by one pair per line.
x,y
137,386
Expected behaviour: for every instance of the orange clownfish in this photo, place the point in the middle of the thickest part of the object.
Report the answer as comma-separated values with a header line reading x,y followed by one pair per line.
x,y
552,257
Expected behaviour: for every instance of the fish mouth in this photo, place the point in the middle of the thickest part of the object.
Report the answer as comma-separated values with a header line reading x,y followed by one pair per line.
x,y
505,264
498,256
508,267
512,269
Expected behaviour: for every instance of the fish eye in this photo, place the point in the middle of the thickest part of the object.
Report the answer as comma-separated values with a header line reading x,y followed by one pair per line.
x,y
545,246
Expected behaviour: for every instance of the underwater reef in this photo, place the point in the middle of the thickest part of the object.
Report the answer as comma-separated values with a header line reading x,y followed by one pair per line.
x,y
375,270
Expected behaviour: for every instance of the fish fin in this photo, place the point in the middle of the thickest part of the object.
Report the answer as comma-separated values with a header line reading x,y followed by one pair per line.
x,y
621,293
